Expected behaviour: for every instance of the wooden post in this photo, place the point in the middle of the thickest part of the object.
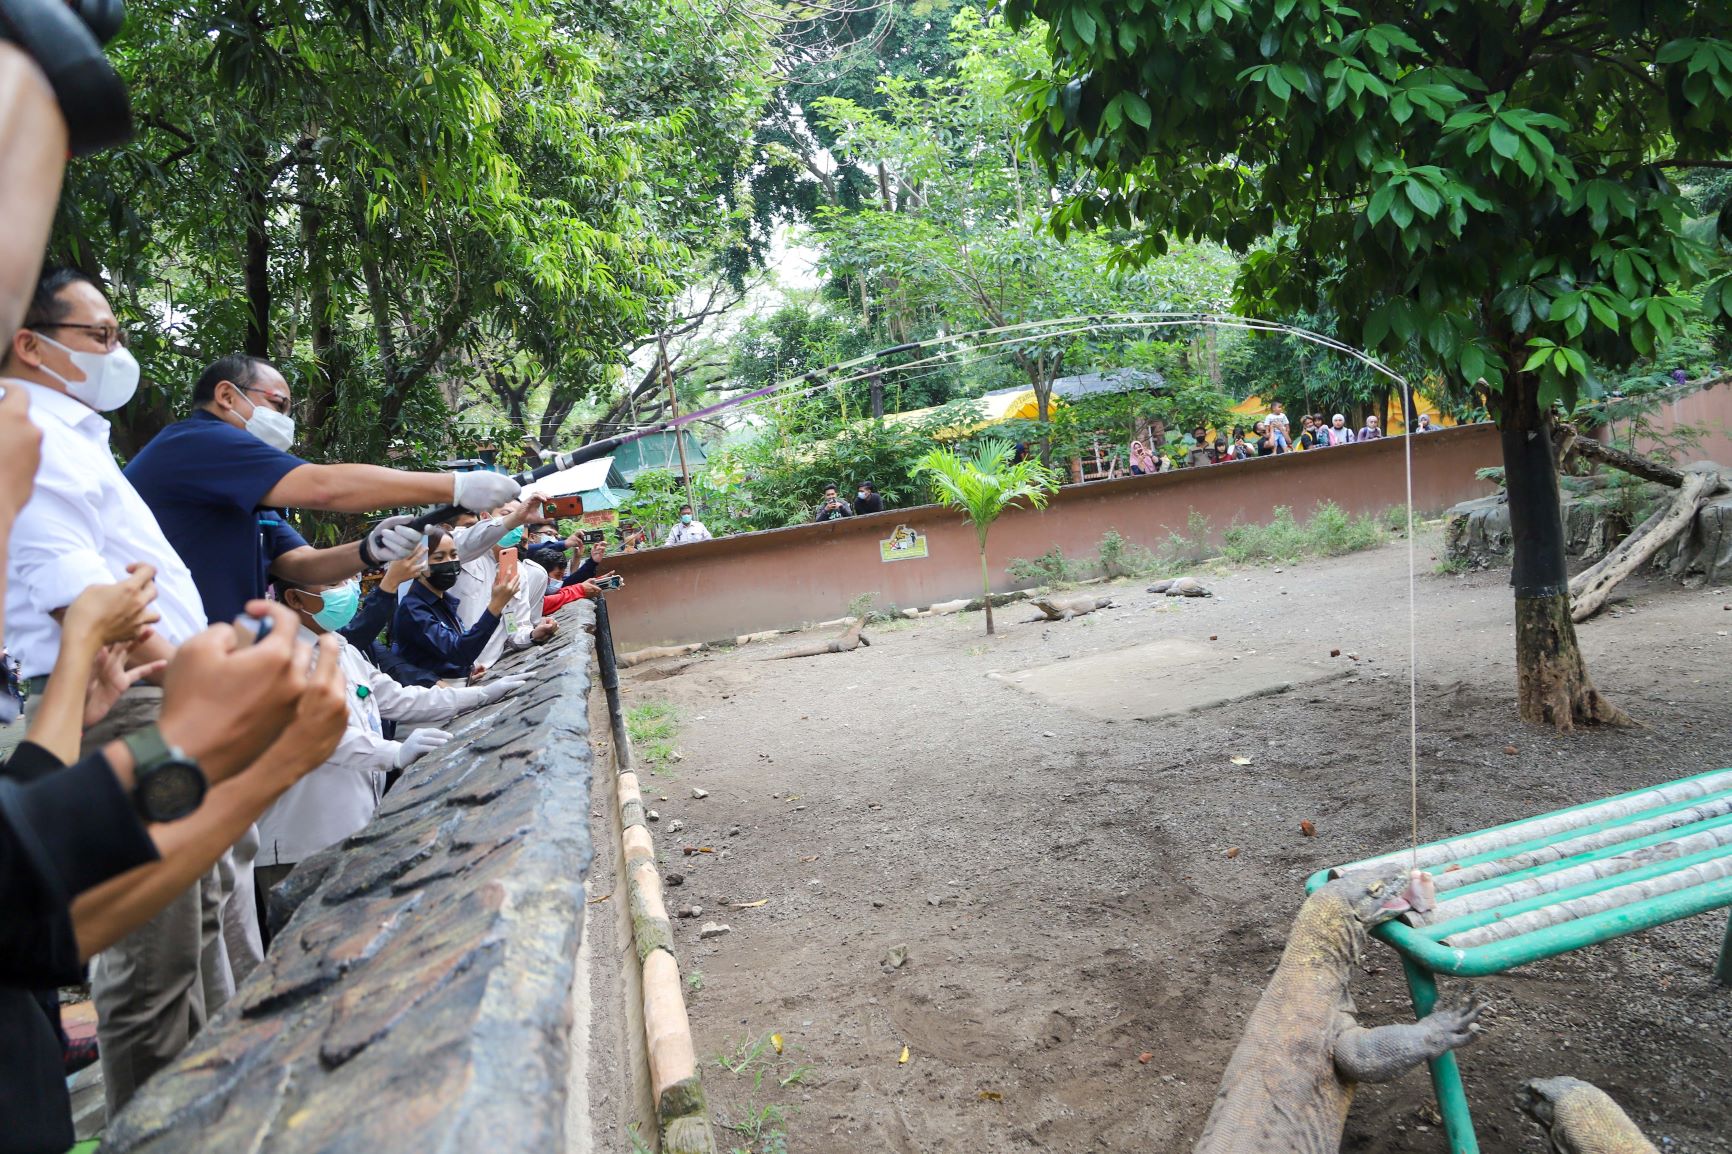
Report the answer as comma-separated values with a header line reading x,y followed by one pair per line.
x,y
674,407
877,384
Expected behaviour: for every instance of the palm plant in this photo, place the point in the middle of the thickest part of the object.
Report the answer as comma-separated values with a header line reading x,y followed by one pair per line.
x,y
984,484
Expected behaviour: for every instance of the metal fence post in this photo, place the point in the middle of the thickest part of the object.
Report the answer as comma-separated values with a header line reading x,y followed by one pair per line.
x,y
605,655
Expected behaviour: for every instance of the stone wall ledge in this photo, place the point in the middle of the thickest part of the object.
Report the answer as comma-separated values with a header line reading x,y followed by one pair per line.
x,y
418,996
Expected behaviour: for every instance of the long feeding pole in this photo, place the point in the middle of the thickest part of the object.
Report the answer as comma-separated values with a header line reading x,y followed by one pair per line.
x,y
674,406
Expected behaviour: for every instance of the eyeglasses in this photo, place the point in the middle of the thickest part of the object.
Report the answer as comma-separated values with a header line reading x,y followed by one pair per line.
x,y
277,401
109,335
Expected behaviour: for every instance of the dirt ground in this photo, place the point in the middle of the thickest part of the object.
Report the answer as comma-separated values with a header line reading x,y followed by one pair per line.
x,y
1062,886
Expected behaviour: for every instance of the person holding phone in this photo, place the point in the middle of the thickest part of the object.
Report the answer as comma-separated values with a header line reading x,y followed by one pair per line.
x,y
832,507
429,635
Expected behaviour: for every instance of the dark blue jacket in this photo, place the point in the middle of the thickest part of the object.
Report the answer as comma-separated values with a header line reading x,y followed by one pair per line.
x,y
429,636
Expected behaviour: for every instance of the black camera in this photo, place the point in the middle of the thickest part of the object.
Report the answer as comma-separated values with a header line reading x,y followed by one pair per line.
x,y
66,42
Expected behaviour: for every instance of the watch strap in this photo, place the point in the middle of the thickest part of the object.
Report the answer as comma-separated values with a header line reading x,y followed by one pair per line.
x,y
147,747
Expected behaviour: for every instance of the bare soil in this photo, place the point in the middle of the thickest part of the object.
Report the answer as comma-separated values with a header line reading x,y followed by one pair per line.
x,y
1063,888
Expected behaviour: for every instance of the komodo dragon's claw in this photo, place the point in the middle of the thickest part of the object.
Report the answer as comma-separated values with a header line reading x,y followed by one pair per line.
x,y
1457,1024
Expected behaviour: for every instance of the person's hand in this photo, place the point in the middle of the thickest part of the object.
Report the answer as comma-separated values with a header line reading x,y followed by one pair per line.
x,y
597,551
20,450
112,614
477,672
392,538
224,698
544,629
109,678
319,718
482,490
502,688
593,588
405,569
420,743
504,589
528,504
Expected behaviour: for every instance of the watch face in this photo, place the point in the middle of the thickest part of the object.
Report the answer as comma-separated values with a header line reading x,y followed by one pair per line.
x,y
170,791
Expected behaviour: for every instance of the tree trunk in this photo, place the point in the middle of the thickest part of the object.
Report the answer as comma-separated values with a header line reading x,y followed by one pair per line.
x,y
257,259
986,587
1552,684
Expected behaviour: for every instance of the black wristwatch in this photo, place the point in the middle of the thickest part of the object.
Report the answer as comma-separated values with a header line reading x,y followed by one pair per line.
x,y
167,784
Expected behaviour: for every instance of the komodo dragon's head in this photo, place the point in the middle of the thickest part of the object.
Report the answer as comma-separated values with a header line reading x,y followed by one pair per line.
x,y
1580,1117
1381,895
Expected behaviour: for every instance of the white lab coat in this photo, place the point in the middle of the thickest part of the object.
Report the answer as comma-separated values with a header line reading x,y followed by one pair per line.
x,y
521,614
339,797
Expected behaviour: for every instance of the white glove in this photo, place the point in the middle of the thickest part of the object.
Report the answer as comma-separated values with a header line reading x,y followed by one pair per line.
x,y
390,539
481,490
422,741
502,688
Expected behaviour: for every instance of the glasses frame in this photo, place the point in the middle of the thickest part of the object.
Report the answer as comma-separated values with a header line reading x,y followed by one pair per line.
x,y
279,402
111,336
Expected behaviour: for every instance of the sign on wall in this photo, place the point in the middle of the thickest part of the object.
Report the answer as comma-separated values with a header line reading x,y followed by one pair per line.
x,y
903,545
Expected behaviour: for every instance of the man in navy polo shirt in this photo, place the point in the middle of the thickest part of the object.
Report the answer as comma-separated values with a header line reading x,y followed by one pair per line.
x,y
218,484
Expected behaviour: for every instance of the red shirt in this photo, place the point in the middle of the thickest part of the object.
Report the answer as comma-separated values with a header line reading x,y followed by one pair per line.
x,y
565,596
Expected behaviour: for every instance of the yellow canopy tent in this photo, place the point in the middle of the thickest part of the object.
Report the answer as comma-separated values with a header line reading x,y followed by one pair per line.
x,y
994,409
1255,408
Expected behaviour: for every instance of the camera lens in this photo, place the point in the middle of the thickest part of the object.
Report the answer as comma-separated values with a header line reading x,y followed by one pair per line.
x,y
102,17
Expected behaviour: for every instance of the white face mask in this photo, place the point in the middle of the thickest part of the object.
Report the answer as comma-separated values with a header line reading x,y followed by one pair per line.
x,y
110,379
273,428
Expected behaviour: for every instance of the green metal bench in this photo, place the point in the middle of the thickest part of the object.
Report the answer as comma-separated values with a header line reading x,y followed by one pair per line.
x,y
1547,885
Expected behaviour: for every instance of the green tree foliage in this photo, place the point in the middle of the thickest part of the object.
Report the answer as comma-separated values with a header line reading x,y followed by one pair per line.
x,y
367,194
1488,182
955,238
983,484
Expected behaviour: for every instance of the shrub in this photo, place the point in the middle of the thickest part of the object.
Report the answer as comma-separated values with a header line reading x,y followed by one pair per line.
x,y
1050,568
1280,540
1331,532
1121,558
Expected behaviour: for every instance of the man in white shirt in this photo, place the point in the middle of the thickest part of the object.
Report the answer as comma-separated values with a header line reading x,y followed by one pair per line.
x,y
687,530
340,796
522,624
83,525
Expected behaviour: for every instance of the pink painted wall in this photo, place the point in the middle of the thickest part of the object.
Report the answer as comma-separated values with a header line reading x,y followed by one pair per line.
x,y
785,577
1709,412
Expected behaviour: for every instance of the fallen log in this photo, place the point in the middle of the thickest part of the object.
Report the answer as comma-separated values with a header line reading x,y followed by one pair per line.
x,y
1589,589
1643,467
846,643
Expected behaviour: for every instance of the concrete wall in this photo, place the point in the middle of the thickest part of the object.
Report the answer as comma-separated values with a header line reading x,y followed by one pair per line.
x,y
784,577
420,996
1709,411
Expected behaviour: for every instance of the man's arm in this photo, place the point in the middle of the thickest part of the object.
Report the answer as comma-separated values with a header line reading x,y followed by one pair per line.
x,y
352,488
309,565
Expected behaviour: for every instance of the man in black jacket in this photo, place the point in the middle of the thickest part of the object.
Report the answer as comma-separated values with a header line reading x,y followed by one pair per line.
x,y
867,500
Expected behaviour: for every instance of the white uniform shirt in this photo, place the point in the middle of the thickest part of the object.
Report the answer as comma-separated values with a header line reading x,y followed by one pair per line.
x,y
683,533
84,524
339,797
521,614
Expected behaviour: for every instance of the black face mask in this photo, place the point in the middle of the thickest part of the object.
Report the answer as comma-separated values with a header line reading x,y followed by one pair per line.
x,y
443,575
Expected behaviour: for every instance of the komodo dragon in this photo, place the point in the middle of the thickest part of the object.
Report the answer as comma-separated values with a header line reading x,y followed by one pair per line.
x,y
850,640
1063,610
1581,1118
1290,1081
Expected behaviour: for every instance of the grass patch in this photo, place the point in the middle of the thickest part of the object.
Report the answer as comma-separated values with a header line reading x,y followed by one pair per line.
x,y
1121,558
651,727
1330,532
1184,551
758,1065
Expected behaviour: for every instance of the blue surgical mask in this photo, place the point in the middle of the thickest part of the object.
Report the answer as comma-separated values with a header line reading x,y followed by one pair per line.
x,y
685,518
511,538
554,584
341,604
